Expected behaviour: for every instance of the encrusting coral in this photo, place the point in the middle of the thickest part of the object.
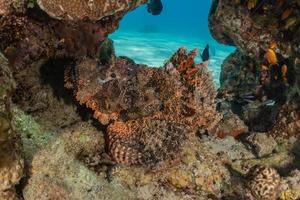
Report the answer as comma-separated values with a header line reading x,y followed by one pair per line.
x,y
77,10
11,163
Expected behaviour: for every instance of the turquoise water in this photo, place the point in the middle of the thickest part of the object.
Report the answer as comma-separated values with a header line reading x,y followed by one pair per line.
x,y
152,40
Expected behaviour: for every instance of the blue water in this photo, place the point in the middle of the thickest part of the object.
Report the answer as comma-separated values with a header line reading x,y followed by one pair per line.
x,y
152,40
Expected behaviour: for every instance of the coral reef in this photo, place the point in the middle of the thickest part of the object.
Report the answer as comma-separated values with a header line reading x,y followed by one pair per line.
x,y
264,182
55,180
11,163
288,121
12,6
263,74
95,10
167,134
262,144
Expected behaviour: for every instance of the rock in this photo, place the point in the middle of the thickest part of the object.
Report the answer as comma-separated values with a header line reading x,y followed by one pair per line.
x,y
229,147
11,168
291,186
12,6
262,144
9,195
57,171
231,125
197,172
11,162
288,121
181,179
264,183
77,10
255,89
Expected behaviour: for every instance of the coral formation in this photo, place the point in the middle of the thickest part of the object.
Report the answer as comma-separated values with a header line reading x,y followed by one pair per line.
x,y
263,73
77,10
288,121
9,195
12,6
156,118
11,163
264,182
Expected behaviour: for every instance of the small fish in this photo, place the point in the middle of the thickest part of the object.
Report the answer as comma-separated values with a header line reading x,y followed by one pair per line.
x,y
154,7
284,69
291,22
271,56
205,54
286,13
251,4
269,103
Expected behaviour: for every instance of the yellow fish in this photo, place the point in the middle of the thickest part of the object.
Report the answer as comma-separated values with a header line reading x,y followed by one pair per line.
x,y
271,56
251,4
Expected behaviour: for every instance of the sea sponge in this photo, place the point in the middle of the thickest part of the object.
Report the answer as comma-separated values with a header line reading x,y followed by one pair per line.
x,y
77,10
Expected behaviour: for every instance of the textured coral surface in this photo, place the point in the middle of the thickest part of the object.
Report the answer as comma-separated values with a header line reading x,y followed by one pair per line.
x,y
86,9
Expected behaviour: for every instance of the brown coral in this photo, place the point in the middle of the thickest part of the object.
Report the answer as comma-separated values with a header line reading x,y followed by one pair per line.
x,y
264,183
158,106
11,163
288,120
77,10
9,6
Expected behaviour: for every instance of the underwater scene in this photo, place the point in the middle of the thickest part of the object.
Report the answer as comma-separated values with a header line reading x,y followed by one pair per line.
x,y
149,100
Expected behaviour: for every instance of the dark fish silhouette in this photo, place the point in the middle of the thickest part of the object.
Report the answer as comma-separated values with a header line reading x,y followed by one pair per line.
x,y
155,7
205,54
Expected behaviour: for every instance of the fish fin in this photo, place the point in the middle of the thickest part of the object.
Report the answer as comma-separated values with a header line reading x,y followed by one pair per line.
x,y
205,54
